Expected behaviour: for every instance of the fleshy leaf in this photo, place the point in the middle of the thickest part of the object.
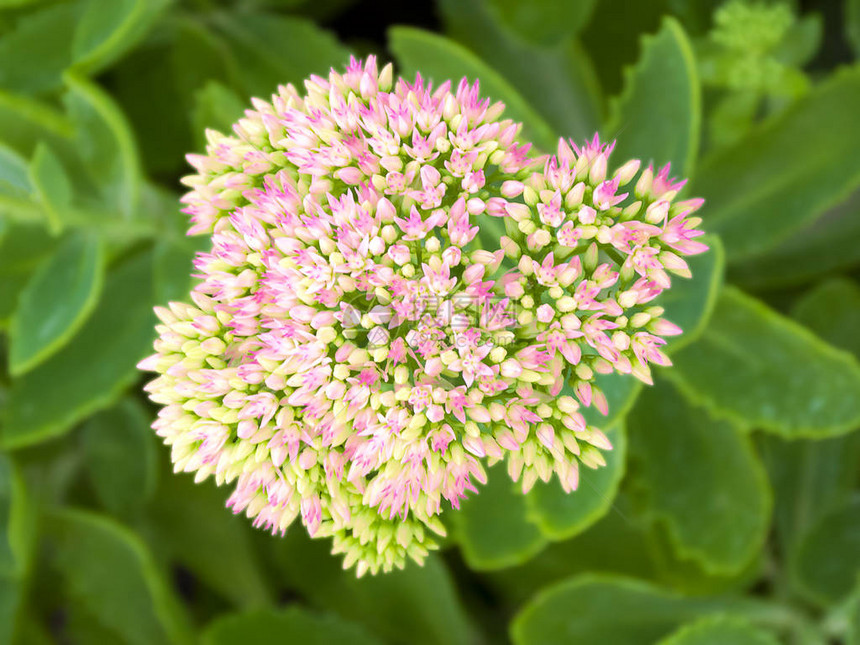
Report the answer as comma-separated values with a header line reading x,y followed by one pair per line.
x,y
832,310
56,302
757,368
492,526
828,558
106,144
852,23
34,55
51,185
562,515
216,106
109,570
272,50
544,21
691,301
787,172
415,605
291,625
94,367
658,116
191,525
561,75
14,177
617,543
119,449
809,477
720,630
439,59
17,521
105,31
825,246
608,609
702,480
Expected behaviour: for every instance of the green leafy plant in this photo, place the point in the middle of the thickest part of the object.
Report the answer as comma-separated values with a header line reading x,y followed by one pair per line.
x,y
726,513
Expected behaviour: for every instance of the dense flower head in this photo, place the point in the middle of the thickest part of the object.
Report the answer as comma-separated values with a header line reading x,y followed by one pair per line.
x,y
398,293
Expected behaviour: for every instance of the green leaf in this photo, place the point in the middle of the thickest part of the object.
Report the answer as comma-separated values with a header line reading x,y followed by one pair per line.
x,y
440,59
120,453
416,605
561,75
216,107
658,115
14,178
809,478
702,480
173,268
607,609
11,596
93,369
106,144
109,571
106,31
828,559
825,246
832,310
492,526
24,247
17,521
720,630
153,103
56,302
51,185
617,543
272,50
801,41
613,44
35,53
690,302
291,625
787,172
190,523
852,23
544,21
561,515
756,368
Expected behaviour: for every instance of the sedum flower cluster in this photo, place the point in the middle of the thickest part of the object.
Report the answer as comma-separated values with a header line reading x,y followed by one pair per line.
x,y
397,294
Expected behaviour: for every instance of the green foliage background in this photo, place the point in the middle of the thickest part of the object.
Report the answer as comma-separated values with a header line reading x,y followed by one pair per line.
x,y
729,511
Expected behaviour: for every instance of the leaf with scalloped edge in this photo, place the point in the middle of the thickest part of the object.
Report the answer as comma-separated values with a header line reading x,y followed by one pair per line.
x,y
785,173
658,115
56,302
827,560
94,367
620,611
825,246
561,515
492,526
439,59
562,75
109,570
701,479
759,369
288,625
120,454
17,521
543,22
690,302
720,630
811,477
105,142
105,31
